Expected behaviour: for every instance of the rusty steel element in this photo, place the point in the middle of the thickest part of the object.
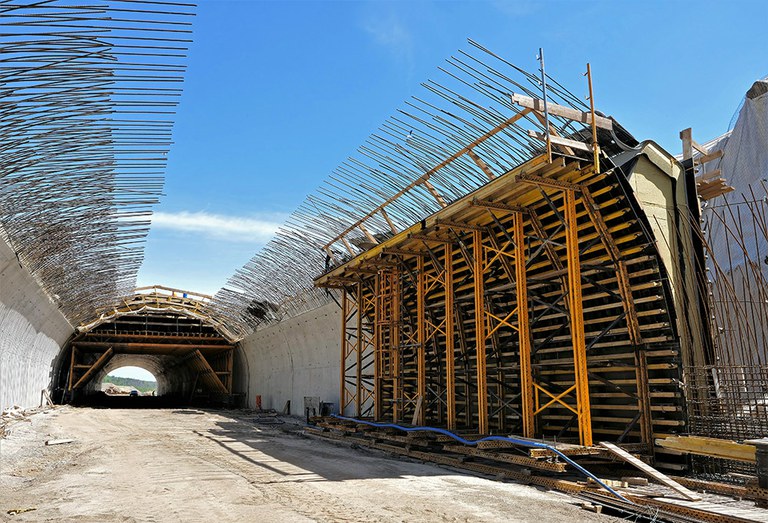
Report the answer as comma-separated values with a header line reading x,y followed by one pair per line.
x,y
727,392
479,119
87,96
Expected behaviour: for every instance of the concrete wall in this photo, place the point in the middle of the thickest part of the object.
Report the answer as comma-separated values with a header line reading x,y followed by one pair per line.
x,y
296,358
32,331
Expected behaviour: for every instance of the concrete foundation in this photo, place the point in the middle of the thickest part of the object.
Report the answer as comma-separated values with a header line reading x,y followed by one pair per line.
x,y
32,332
295,358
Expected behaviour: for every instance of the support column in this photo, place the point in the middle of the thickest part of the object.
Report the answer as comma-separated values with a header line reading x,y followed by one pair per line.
x,y
377,349
577,320
643,398
343,366
394,346
421,340
482,384
72,368
450,351
523,329
360,337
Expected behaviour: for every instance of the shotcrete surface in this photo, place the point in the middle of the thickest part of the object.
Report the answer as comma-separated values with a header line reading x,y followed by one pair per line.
x,y
32,331
295,358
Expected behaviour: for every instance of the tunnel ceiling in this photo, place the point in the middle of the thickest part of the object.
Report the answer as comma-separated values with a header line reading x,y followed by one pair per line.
x,y
159,327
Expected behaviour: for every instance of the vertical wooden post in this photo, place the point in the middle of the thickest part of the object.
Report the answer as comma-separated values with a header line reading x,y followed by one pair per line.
x,y
71,367
523,329
575,309
421,337
482,384
643,398
450,352
230,367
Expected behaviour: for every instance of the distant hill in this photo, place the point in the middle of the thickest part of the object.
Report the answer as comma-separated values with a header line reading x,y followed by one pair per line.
x,y
140,385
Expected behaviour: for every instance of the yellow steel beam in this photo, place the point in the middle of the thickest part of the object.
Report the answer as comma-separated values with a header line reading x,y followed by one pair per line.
x,y
497,206
343,394
547,182
414,230
712,447
360,344
450,352
577,320
523,331
377,349
480,336
394,341
421,339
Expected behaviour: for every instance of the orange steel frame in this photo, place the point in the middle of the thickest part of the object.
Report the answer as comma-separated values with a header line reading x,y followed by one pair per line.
x,y
382,317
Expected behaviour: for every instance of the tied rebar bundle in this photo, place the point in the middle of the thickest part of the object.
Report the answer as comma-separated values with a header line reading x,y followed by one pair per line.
x,y
412,164
88,90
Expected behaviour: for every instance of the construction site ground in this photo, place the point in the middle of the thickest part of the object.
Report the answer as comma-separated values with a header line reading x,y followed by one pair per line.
x,y
208,465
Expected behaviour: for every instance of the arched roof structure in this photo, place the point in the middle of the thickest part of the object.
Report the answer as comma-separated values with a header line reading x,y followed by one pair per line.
x,y
161,299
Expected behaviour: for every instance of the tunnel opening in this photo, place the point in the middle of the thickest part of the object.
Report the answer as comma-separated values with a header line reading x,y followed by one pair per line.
x,y
129,381
164,332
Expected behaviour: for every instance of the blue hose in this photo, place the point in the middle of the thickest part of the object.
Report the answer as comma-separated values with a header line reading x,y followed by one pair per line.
x,y
520,442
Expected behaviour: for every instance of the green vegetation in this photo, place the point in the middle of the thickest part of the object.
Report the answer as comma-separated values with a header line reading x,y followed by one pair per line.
x,y
140,385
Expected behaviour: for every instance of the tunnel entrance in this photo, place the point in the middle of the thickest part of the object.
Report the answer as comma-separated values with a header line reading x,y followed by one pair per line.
x,y
163,331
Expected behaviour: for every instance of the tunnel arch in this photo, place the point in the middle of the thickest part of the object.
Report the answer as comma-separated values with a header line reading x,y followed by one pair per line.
x,y
169,332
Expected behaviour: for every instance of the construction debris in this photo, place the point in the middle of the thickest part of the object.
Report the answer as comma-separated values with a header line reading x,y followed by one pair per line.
x,y
650,471
49,442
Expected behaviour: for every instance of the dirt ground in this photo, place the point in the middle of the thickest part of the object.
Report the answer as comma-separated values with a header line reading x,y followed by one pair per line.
x,y
192,465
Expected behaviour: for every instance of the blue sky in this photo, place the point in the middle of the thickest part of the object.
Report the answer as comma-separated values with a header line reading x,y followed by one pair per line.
x,y
133,372
279,93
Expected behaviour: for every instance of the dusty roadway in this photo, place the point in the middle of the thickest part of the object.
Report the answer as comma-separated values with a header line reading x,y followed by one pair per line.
x,y
192,465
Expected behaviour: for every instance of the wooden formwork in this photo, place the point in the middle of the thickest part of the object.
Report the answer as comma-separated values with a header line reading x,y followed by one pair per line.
x,y
537,305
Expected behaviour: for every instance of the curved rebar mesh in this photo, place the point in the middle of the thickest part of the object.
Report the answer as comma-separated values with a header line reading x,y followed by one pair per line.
x,y
472,98
87,96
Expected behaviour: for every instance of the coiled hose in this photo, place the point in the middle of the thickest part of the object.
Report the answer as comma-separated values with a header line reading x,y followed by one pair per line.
x,y
520,442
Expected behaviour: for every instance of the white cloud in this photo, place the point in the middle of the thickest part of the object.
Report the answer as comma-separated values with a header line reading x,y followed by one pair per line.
x,y
220,227
389,31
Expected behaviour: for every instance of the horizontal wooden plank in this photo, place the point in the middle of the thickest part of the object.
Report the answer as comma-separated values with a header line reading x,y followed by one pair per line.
x,y
713,447
559,140
559,110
